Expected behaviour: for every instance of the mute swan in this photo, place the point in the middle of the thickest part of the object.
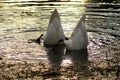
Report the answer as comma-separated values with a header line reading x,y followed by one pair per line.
x,y
54,32
78,39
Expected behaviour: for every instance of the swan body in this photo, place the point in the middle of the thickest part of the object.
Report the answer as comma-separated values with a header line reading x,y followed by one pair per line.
x,y
54,32
79,38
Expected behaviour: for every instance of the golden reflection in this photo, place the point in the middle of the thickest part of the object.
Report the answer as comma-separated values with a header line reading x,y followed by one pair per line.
x,y
45,0
79,0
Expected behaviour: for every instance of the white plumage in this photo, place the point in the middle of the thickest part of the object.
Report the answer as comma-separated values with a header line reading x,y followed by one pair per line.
x,y
78,39
54,32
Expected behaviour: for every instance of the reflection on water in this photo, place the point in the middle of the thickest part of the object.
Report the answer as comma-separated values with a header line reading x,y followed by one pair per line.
x,y
77,55
55,57
79,58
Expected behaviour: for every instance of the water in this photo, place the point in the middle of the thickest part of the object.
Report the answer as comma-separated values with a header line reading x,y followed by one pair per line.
x,y
22,20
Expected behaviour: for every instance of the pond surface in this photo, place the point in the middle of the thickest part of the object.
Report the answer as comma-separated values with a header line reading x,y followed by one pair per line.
x,y
22,20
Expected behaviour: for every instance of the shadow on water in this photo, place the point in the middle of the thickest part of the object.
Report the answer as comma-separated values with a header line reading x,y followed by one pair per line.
x,y
76,60
55,57
77,55
79,59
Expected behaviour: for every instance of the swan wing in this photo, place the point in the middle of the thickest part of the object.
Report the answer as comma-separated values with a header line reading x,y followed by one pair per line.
x,y
54,32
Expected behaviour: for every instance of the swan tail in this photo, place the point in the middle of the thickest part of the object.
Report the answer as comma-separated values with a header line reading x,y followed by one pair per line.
x,y
54,15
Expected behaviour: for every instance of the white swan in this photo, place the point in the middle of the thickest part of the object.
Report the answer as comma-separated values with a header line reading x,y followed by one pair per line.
x,y
79,38
54,32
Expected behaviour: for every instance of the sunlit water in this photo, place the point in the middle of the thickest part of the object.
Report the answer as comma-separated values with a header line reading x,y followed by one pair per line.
x,y
22,20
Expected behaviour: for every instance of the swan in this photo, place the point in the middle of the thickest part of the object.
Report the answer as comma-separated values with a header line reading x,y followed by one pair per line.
x,y
54,32
79,38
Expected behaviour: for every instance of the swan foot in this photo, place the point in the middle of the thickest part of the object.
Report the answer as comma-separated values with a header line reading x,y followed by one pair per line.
x,y
38,40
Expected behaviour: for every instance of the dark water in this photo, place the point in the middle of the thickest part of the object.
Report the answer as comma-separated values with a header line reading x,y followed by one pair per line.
x,y
27,19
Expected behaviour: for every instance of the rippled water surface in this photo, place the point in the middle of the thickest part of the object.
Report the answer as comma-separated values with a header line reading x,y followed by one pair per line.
x,y
21,20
